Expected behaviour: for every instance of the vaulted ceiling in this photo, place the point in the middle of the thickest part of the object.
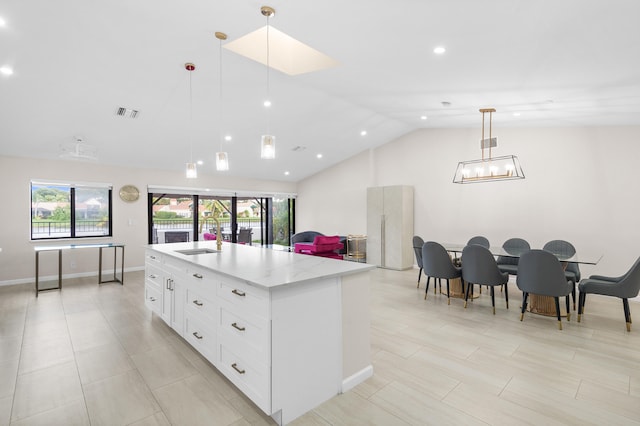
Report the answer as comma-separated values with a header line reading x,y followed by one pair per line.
x,y
75,62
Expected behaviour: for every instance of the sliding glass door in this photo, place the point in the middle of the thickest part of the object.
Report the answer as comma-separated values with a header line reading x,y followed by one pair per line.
x,y
244,220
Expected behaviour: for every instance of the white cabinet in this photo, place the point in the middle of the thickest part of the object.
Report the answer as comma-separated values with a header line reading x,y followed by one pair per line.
x,y
390,226
282,346
153,283
244,339
164,291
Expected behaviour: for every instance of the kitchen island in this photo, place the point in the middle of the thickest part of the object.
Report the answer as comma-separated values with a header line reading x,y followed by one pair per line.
x,y
289,330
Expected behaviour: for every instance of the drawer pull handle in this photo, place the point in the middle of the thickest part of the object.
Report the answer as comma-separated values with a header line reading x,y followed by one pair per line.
x,y
198,336
153,299
198,276
153,276
235,367
238,292
152,257
197,303
237,327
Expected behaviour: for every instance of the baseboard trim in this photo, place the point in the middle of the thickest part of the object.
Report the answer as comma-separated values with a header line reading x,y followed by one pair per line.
x,y
357,378
46,278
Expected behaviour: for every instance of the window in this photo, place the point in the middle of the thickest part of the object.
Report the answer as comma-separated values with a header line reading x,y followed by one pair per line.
x,y
65,210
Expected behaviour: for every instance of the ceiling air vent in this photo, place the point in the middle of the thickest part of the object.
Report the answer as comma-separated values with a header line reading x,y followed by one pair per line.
x,y
298,148
127,112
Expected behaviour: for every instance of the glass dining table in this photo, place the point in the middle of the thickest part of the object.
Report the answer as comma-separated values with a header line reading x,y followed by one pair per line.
x,y
543,305
584,258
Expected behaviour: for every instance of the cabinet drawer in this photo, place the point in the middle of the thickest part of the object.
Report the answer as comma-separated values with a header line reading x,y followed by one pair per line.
x,y
153,276
200,304
201,336
174,266
153,298
203,281
152,257
245,298
251,379
244,334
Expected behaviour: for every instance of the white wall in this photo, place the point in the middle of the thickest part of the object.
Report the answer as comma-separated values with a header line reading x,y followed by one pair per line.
x,y
17,262
581,185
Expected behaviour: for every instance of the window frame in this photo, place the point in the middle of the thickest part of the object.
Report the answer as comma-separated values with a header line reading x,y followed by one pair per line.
x,y
72,186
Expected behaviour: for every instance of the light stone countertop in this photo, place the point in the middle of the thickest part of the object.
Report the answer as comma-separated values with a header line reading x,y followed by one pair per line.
x,y
260,266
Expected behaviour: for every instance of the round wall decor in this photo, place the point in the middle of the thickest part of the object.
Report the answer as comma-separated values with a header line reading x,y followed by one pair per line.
x,y
129,193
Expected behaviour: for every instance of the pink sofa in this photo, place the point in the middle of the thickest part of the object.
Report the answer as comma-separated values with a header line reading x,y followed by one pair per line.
x,y
322,245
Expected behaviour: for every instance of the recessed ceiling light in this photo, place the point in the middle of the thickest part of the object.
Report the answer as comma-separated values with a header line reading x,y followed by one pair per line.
x,y
267,103
319,156
423,117
227,138
516,114
439,50
363,133
6,70
2,22
200,162
286,173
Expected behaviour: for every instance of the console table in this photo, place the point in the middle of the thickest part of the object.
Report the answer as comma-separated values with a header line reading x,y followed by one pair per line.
x,y
60,249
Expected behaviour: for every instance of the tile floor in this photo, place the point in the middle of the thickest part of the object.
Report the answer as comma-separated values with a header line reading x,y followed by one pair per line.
x,y
93,355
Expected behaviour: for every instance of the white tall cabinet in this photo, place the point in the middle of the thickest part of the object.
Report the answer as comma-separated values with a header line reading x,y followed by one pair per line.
x,y
390,226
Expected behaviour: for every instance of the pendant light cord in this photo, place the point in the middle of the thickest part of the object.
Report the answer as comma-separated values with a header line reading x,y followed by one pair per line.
x,y
268,79
220,90
190,119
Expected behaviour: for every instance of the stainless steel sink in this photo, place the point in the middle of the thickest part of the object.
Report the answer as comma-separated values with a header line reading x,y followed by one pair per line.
x,y
193,252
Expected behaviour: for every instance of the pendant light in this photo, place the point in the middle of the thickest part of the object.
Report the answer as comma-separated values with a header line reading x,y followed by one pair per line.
x,y
268,142
488,168
192,170
222,159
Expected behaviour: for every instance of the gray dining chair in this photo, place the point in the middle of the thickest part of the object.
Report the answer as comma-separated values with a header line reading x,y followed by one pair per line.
x,y
479,240
480,267
517,247
564,250
540,273
418,242
245,235
625,287
438,264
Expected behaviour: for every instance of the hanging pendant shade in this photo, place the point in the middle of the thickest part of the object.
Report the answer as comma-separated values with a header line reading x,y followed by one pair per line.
x,y
192,171
222,161
268,150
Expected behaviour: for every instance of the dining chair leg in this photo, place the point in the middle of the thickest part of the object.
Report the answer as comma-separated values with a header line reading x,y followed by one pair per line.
x,y
581,299
493,299
627,313
566,301
557,300
506,295
426,289
525,296
448,300
419,276
466,294
435,285
573,295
